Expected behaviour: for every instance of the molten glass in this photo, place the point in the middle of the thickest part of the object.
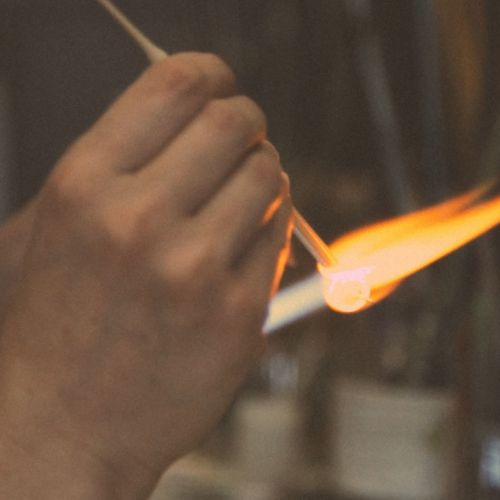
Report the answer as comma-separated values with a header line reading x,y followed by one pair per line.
x,y
345,291
372,261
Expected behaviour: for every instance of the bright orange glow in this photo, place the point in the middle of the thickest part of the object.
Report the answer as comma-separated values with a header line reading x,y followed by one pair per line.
x,y
372,261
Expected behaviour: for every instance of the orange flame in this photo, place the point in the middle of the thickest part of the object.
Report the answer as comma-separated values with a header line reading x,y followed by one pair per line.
x,y
372,261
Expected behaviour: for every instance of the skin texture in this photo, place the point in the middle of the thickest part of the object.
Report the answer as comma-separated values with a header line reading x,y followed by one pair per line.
x,y
14,237
138,286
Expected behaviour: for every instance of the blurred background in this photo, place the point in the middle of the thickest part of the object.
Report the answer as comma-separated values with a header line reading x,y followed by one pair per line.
x,y
378,108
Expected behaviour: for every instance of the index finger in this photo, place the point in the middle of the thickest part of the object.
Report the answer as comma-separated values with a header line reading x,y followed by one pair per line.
x,y
153,110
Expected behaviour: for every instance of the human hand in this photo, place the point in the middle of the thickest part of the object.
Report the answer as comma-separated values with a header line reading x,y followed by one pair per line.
x,y
157,242
14,237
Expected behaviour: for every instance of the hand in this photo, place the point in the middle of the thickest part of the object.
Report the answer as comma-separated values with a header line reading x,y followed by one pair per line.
x,y
157,242
14,237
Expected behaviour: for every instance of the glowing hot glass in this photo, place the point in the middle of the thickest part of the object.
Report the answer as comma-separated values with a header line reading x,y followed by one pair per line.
x,y
345,291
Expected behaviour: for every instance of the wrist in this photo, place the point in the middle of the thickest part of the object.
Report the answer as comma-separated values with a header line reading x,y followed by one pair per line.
x,y
44,468
42,458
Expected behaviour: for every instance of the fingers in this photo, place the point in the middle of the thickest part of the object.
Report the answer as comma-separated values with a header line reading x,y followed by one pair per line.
x,y
196,151
262,267
198,162
155,108
248,199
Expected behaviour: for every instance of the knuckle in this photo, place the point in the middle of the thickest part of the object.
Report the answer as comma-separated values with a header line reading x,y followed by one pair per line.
x,y
128,226
177,75
110,229
124,238
225,75
186,268
117,219
67,189
112,232
238,115
222,113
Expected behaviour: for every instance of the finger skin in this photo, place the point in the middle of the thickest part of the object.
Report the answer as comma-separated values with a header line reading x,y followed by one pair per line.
x,y
198,162
155,108
246,201
14,238
265,262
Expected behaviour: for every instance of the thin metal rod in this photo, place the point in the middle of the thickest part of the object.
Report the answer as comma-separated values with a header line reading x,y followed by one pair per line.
x,y
302,229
